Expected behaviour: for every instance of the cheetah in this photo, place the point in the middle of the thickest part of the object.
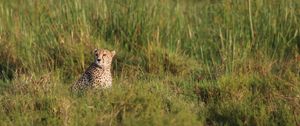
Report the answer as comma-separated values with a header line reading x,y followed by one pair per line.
x,y
98,74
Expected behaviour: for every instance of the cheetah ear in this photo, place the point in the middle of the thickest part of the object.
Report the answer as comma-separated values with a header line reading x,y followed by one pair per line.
x,y
95,50
113,53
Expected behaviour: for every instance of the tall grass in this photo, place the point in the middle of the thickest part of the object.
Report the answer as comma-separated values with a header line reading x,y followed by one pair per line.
x,y
204,62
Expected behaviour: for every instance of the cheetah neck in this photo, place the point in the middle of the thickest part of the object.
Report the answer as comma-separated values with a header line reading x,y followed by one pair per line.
x,y
104,69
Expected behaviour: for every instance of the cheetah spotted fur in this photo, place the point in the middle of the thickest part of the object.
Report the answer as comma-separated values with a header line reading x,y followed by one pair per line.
x,y
98,74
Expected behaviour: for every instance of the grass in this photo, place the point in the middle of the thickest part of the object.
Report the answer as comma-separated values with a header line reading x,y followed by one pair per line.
x,y
194,62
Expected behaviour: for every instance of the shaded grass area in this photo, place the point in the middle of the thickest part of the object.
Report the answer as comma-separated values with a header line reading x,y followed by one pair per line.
x,y
178,62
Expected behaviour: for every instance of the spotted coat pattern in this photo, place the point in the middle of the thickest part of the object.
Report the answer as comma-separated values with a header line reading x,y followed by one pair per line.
x,y
98,74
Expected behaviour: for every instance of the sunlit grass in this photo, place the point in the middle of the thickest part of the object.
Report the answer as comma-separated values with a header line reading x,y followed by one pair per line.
x,y
178,62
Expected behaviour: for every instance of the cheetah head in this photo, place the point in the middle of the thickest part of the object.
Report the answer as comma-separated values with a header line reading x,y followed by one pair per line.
x,y
103,57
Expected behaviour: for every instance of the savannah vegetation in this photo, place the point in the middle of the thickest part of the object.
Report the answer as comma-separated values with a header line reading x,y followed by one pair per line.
x,y
193,62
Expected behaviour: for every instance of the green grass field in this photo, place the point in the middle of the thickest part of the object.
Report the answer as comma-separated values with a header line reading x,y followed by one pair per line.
x,y
193,62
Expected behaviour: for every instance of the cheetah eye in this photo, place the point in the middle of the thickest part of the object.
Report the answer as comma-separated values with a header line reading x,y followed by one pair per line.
x,y
97,55
104,54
